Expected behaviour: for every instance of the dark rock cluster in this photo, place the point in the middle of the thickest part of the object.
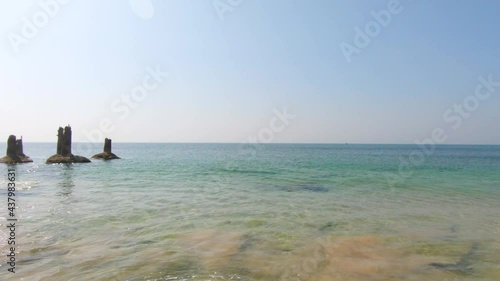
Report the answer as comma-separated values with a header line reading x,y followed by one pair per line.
x,y
15,153
64,154
106,154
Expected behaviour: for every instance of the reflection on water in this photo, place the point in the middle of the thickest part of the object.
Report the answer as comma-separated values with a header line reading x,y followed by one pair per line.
x,y
66,183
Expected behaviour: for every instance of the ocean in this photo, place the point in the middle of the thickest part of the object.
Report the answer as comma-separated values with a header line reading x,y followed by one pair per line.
x,y
264,212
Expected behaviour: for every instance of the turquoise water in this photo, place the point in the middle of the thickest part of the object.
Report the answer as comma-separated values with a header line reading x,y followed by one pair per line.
x,y
270,212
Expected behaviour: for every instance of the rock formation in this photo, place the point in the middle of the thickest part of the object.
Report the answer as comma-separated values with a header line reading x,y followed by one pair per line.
x,y
60,140
15,153
64,154
19,147
106,154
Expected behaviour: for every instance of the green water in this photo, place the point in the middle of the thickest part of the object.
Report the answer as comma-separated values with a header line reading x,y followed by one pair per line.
x,y
270,212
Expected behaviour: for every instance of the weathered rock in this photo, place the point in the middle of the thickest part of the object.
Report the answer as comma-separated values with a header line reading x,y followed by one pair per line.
x,y
19,147
106,154
57,159
66,148
15,153
64,154
60,140
107,145
11,146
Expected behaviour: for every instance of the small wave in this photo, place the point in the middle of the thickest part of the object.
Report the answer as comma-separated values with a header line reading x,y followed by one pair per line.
x,y
306,187
240,171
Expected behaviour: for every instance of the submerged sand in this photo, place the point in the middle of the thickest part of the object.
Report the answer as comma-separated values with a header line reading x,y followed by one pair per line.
x,y
324,258
233,255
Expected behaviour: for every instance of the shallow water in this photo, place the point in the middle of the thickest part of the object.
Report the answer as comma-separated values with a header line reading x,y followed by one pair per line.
x,y
277,212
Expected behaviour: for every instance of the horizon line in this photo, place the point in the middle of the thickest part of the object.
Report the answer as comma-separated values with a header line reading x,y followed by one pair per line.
x,y
275,143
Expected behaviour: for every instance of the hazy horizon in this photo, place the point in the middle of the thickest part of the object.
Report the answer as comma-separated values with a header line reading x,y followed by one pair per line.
x,y
273,143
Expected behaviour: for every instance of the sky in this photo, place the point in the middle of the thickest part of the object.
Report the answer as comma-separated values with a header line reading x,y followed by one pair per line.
x,y
277,71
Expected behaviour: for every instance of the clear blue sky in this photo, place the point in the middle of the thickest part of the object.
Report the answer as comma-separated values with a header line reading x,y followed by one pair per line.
x,y
226,76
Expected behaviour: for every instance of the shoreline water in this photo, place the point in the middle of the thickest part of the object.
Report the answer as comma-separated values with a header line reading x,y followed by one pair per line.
x,y
179,211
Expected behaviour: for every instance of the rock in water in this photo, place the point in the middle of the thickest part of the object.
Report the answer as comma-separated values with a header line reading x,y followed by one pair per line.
x,y
106,154
19,148
11,146
59,159
107,145
64,154
66,148
15,152
60,140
